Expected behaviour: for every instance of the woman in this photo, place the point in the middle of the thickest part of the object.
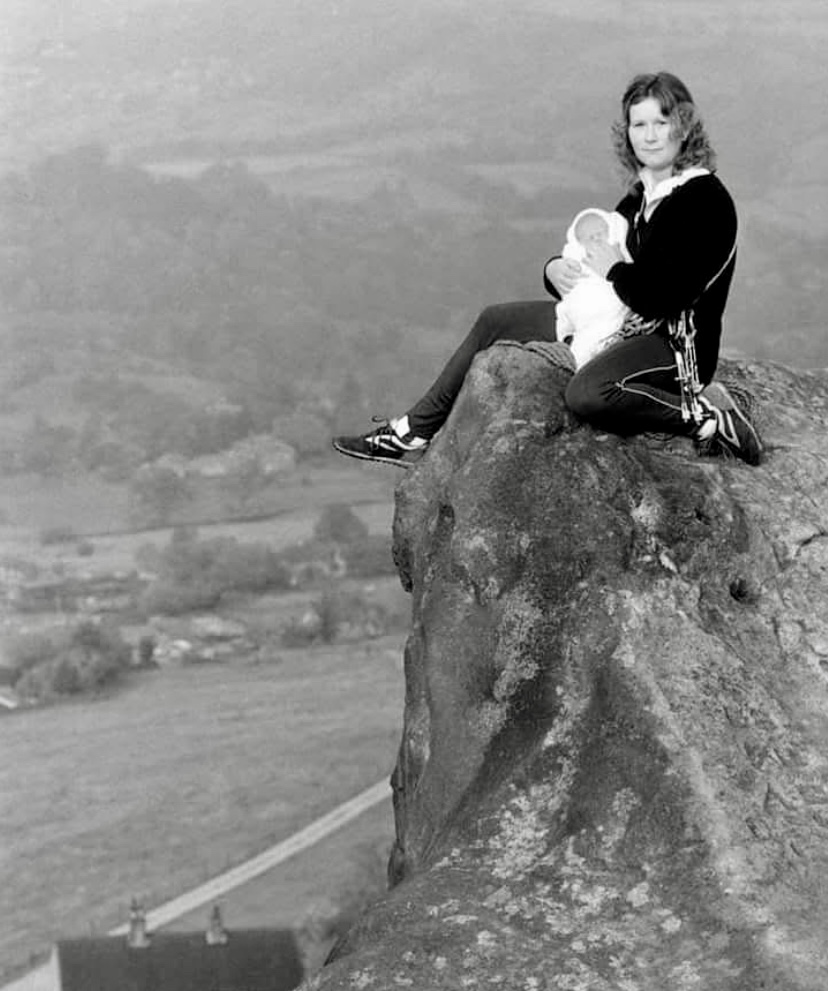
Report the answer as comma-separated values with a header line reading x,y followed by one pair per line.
x,y
682,241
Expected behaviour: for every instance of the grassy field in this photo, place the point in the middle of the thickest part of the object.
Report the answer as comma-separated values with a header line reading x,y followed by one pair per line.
x,y
187,771
340,874
87,505
114,553
180,776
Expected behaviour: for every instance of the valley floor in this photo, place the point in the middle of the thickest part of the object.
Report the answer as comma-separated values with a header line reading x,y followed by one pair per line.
x,y
180,777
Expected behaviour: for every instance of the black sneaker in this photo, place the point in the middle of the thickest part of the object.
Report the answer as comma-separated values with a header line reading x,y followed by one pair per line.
x,y
734,433
382,444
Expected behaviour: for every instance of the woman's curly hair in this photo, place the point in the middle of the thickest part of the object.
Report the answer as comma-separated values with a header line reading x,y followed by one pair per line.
x,y
676,104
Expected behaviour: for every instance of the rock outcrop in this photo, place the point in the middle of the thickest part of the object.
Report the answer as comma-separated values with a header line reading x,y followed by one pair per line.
x,y
613,774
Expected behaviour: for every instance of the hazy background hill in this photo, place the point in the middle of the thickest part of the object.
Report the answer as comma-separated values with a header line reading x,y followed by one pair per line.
x,y
494,122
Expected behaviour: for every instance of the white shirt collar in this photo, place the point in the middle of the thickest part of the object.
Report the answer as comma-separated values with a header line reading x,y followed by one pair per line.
x,y
654,192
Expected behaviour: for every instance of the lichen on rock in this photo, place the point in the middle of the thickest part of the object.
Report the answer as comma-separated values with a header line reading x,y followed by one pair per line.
x,y
613,772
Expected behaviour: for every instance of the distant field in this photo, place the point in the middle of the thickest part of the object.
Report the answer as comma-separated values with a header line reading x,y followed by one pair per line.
x,y
182,775
188,771
29,504
118,553
87,505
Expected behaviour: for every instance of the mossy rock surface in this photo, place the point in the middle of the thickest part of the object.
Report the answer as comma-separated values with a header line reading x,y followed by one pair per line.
x,y
613,771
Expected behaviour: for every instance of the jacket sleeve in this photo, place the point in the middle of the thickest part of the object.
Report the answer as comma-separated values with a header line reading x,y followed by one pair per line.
x,y
687,240
547,284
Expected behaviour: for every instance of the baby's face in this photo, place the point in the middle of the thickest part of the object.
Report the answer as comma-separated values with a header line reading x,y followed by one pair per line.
x,y
592,229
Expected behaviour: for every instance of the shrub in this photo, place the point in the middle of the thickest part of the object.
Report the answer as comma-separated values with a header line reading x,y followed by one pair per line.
x,y
66,678
248,567
339,524
330,608
85,658
297,634
158,492
194,574
99,653
169,597
146,652
29,650
60,534
365,555
337,614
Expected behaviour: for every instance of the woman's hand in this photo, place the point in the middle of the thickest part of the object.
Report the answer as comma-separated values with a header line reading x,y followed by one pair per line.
x,y
601,257
563,273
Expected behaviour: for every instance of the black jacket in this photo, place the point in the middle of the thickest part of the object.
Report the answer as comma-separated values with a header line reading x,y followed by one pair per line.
x,y
689,237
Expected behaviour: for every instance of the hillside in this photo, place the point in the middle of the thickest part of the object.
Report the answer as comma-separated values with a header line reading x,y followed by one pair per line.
x,y
486,118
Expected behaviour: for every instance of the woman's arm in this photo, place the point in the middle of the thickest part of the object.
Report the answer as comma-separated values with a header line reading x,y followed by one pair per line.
x,y
687,240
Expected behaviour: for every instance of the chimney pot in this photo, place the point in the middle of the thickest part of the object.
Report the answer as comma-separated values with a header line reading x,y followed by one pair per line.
x,y
137,937
216,933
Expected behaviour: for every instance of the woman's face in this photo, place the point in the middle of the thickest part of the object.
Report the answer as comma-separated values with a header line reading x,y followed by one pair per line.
x,y
652,138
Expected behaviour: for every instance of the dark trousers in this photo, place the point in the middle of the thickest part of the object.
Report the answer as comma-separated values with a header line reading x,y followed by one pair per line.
x,y
629,388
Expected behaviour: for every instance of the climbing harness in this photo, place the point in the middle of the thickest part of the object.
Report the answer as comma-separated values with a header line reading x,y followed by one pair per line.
x,y
682,334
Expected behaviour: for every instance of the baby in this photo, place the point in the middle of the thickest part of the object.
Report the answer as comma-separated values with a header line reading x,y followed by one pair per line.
x,y
591,312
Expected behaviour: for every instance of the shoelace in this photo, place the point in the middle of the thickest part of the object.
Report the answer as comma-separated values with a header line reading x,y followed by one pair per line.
x,y
384,430
724,441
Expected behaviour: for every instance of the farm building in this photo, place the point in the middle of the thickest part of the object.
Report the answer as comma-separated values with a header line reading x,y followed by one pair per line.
x,y
215,960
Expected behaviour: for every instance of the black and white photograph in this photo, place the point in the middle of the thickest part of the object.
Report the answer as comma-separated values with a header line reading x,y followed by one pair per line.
x,y
413,495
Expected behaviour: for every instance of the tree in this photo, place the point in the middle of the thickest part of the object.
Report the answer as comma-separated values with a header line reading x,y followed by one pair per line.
x,y
158,491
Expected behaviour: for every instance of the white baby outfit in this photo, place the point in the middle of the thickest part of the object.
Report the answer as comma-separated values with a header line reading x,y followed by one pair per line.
x,y
591,313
